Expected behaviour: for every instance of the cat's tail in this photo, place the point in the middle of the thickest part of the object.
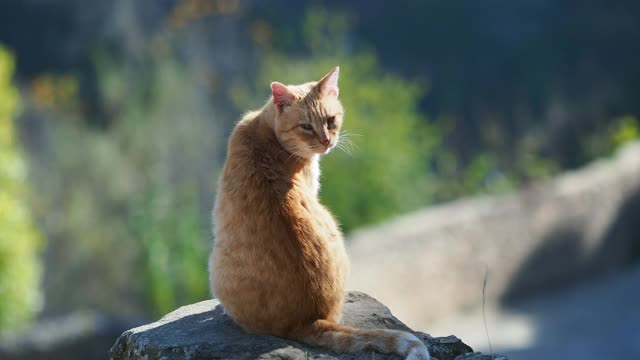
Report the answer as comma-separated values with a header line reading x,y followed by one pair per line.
x,y
345,339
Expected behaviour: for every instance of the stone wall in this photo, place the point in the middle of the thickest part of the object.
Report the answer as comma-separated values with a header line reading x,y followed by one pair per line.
x,y
431,263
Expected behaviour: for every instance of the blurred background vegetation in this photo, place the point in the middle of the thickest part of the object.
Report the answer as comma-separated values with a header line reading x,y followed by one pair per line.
x,y
126,106
19,242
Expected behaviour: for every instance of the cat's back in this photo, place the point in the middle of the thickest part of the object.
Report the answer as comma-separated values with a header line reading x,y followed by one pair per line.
x,y
252,255
240,147
250,168
252,186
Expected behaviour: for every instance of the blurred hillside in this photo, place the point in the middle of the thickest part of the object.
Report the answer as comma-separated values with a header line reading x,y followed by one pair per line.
x,y
126,107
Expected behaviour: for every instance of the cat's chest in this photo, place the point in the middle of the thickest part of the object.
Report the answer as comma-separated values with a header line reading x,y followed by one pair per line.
x,y
314,176
313,209
308,180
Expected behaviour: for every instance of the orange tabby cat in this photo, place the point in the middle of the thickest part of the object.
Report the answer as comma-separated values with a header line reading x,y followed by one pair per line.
x,y
279,264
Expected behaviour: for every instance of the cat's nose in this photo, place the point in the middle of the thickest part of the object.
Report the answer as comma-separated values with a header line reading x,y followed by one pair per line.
x,y
326,142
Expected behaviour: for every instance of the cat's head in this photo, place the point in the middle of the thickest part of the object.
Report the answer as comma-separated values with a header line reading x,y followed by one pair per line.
x,y
309,116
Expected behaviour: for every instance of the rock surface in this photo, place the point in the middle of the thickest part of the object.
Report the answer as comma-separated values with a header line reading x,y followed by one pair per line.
x,y
203,331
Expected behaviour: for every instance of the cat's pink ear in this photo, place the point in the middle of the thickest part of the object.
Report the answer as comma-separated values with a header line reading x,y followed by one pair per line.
x,y
282,96
329,83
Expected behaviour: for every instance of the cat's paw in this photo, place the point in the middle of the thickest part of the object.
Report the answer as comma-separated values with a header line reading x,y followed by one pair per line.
x,y
412,347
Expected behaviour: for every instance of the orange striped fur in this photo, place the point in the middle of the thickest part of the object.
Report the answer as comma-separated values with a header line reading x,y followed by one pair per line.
x,y
279,265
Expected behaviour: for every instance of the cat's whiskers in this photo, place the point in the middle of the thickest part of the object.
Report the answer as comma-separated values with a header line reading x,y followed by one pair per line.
x,y
349,144
349,133
344,148
345,143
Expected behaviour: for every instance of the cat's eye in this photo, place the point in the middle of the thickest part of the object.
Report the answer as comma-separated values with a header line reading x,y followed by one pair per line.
x,y
306,127
331,122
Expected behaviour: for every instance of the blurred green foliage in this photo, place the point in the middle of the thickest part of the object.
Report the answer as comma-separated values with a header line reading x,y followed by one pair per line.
x,y
173,249
170,132
619,132
20,296
128,206
393,158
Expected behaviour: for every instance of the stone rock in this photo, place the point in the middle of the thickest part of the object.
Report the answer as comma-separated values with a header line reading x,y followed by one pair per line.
x,y
204,331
